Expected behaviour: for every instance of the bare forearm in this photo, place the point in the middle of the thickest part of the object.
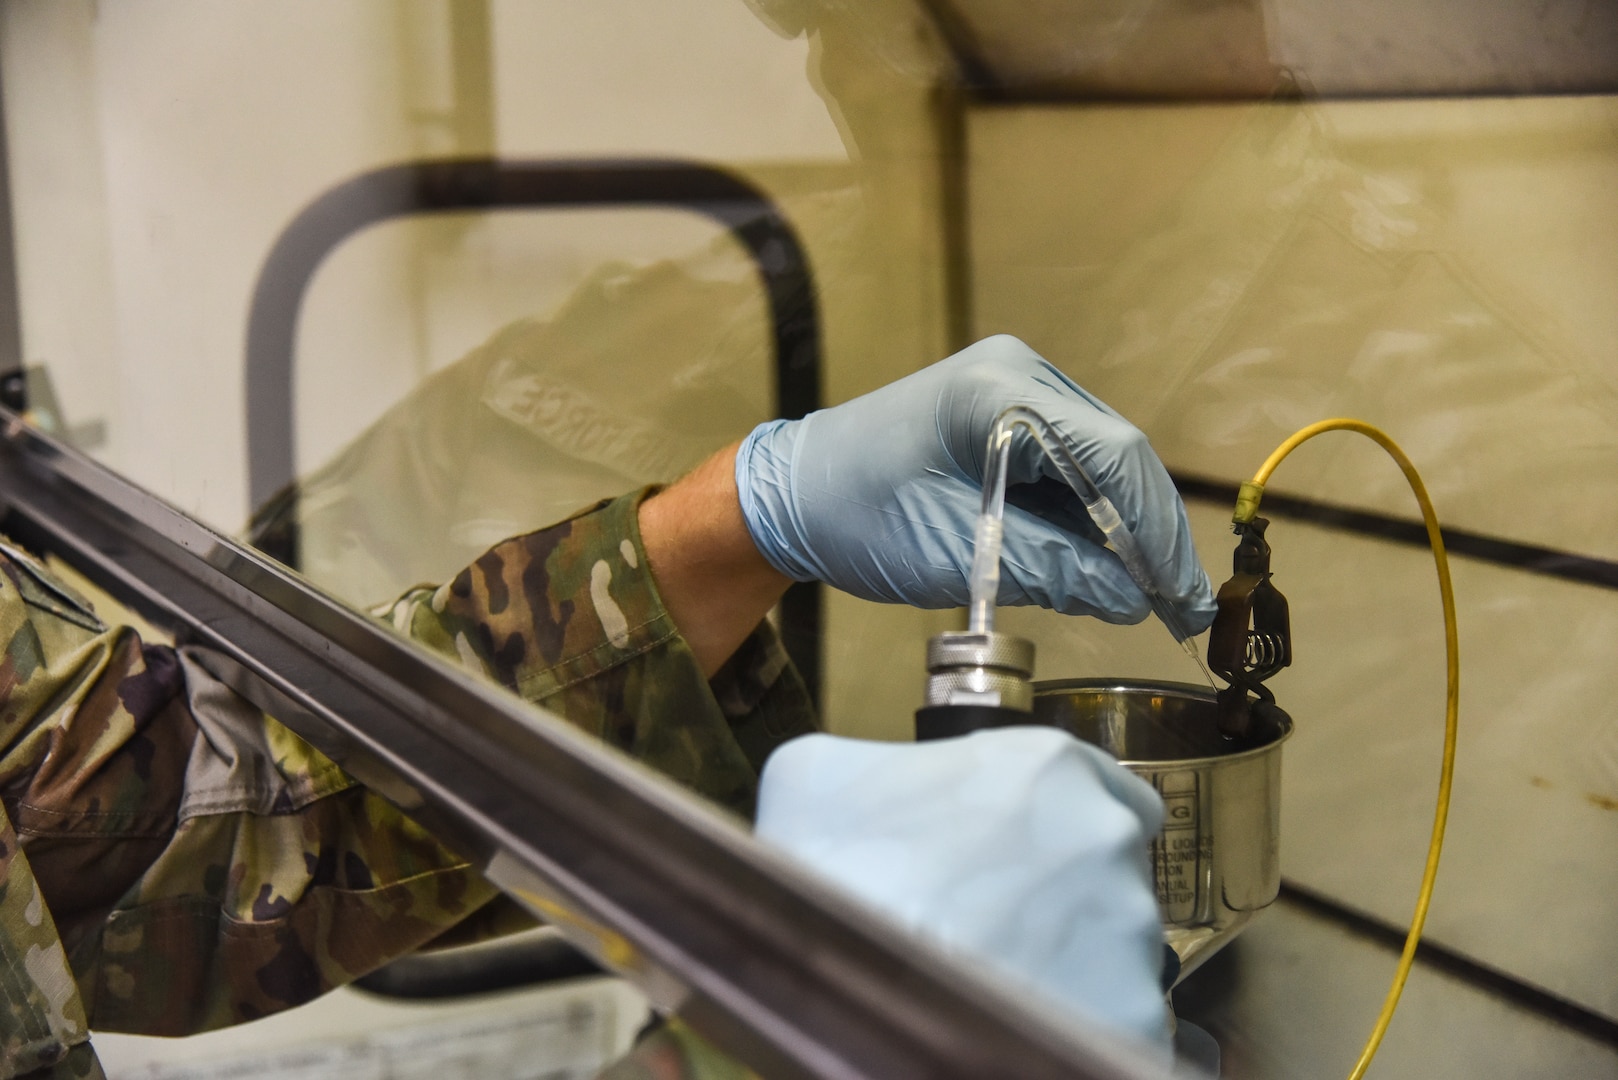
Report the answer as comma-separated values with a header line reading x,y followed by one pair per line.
x,y
714,583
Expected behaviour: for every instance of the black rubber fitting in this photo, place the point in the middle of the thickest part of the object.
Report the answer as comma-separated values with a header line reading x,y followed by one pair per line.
x,y
948,721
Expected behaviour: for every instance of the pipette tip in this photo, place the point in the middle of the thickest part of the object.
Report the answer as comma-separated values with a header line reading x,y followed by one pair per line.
x,y
1191,650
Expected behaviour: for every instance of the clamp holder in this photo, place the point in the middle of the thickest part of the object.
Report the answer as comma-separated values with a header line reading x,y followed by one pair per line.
x,y
1251,639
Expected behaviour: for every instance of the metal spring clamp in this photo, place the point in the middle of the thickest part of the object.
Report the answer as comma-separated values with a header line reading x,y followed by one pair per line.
x,y
1251,638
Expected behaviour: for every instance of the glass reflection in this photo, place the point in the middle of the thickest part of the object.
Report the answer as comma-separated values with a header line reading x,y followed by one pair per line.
x,y
1173,202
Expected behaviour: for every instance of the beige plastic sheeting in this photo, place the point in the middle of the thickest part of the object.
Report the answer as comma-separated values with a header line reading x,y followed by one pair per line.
x,y
1445,270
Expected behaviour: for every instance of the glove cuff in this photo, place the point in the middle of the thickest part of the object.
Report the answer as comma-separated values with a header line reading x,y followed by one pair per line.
x,y
764,486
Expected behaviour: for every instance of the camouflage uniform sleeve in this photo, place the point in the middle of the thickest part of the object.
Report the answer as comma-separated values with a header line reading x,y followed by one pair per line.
x,y
570,618
196,864
174,860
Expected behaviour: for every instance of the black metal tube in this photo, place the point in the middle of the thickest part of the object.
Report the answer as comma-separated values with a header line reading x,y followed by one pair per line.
x,y
481,969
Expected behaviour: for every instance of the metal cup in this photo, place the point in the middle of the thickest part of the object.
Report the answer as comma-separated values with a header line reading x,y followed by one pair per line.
x,y
1217,858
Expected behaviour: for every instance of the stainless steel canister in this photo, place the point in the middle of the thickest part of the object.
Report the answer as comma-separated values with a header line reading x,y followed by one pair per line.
x,y
1217,858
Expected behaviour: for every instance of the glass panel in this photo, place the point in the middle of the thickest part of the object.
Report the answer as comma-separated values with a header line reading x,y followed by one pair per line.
x,y
1221,273
1224,275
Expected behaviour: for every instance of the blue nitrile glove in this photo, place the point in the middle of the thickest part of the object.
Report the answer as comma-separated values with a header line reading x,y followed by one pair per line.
x,y
1020,848
879,496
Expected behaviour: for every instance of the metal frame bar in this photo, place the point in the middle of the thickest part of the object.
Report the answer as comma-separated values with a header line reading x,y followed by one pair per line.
x,y
757,956
13,377
1465,51
455,185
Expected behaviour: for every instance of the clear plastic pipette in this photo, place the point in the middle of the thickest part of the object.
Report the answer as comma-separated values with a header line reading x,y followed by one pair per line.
x,y
1119,540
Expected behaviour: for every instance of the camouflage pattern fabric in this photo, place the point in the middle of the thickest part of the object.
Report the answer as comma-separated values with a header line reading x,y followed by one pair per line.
x,y
675,1052
195,864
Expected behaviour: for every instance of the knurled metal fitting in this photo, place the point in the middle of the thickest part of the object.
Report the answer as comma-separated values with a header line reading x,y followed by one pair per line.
x,y
980,669
959,648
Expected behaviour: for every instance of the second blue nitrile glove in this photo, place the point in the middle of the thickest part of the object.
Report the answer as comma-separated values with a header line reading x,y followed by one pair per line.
x,y
1021,850
879,496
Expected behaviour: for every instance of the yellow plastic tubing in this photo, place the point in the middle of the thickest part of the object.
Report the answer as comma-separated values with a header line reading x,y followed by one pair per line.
x,y
1247,506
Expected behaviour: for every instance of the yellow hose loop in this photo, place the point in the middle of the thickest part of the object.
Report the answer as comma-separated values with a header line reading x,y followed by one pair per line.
x,y
1246,508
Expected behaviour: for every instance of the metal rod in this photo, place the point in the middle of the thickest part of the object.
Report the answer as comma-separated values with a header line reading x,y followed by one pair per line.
x,y
13,381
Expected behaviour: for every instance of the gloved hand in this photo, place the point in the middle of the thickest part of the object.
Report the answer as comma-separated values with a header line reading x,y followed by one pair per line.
x,y
879,496
1020,848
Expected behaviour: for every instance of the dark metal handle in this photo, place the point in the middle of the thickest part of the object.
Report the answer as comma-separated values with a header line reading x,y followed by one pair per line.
x,y
460,184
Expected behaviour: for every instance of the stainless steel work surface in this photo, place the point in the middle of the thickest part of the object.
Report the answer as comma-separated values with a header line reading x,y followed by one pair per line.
x,y
1295,996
